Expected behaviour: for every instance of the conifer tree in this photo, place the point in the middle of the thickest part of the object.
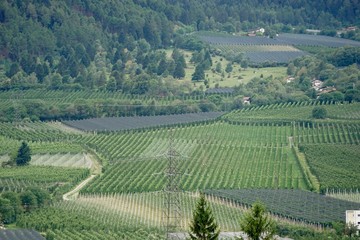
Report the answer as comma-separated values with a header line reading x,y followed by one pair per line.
x,y
24,155
179,71
229,68
162,66
199,73
203,225
208,57
218,67
257,224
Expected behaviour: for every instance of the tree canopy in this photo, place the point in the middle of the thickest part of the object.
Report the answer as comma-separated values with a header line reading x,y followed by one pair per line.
x,y
319,112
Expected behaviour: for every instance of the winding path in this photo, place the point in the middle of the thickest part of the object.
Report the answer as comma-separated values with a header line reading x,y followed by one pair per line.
x,y
73,193
96,170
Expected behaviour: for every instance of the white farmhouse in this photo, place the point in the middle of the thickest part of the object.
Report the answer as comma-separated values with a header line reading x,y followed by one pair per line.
x,y
353,216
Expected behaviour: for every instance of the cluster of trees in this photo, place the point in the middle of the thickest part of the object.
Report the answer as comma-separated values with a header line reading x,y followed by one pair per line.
x,y
12,204
268,90
255,223
325,68
234,15
203,62
100,45
72,44
35,110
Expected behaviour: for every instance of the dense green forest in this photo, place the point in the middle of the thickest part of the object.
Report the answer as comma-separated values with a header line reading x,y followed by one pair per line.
x,y
117,45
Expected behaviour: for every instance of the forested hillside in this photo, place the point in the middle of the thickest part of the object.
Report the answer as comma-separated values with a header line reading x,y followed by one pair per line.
x,y
113,45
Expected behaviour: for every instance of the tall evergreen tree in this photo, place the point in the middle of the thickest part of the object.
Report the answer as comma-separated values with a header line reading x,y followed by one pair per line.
x,y
203,225
218,67
162,66
229,68
24,155
199,73
179,71
208,57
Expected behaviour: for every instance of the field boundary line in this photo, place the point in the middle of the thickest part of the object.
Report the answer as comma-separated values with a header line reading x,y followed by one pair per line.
x,y
310,178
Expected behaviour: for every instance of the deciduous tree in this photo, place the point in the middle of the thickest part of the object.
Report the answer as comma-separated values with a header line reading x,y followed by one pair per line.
x,y
7,213
319,112
28,200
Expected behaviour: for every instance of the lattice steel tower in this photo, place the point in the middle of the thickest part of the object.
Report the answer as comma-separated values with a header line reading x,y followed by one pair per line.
x,y
172,210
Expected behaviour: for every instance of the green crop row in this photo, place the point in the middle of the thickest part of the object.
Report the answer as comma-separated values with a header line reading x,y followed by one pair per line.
x,y
139,157
42,174
60,96
217,155
327,133
295,111
336,166
73,234
117,146
78,160
19,185
33,132
119,212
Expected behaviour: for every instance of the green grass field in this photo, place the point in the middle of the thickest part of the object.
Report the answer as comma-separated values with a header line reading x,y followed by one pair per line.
x,y
236,77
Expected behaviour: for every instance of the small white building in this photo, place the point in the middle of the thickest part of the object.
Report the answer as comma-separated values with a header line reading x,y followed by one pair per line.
x,y
261,30
353,216
290,79
317,84
246,100
313,31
